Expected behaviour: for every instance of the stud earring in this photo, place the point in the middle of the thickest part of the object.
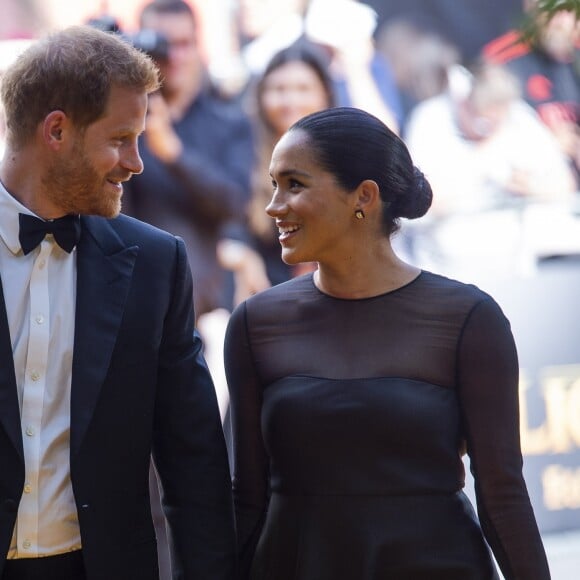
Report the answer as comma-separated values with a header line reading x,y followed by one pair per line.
x,y
359,214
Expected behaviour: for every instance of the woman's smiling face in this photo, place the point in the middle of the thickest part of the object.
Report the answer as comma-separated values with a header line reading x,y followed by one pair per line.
x,y
313,213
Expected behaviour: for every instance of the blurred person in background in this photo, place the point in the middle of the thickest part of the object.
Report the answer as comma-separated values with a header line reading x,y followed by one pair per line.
x,y
266,27
362,76
487,155
544,56
341,29
198,152
420,59
294,84
21,19
468,24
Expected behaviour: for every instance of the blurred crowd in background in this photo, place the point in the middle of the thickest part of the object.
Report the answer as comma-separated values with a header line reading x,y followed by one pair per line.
x,y
484,93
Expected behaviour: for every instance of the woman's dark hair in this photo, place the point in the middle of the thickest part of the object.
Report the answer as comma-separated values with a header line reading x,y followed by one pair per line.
x,y
354,145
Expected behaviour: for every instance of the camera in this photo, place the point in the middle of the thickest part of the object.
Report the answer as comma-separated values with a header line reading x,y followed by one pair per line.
x,y
149,41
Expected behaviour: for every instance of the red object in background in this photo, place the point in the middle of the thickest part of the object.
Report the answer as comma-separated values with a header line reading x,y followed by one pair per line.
x,y
539,88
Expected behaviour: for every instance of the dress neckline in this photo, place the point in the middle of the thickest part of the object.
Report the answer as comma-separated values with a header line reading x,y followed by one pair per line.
x,y
374,297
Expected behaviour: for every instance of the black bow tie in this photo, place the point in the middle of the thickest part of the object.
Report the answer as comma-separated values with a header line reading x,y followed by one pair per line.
x,y
66,231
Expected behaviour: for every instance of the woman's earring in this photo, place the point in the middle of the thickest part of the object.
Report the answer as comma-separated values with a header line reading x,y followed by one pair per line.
x,y
359,214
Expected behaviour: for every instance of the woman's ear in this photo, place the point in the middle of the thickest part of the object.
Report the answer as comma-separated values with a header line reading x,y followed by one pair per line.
x,y
53,128
367,195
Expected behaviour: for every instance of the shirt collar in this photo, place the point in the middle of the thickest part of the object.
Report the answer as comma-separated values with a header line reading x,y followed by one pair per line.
x,y
9,228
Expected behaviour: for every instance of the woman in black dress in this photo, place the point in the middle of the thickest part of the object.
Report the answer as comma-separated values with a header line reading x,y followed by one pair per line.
x,y
356,389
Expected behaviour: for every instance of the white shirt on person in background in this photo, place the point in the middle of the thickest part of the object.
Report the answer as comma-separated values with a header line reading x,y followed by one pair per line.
x,y
476,228
40,298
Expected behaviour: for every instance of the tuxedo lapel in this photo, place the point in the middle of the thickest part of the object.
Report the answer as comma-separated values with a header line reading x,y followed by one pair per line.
x,y
104,272
9,410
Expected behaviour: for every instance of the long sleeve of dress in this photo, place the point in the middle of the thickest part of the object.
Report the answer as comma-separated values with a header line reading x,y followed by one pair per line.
x,y
250,476
488,389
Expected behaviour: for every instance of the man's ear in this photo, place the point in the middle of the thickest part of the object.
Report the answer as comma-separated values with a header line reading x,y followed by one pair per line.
x,y
367,195
54,127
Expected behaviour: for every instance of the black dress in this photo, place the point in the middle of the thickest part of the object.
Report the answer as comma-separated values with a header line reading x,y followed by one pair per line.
x,y
350,418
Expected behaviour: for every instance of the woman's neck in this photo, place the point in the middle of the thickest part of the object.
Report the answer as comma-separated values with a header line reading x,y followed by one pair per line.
x,y
373,273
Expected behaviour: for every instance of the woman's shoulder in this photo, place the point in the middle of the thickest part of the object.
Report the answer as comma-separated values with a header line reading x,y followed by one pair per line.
x,y
450,290
454,302
281,298
290,290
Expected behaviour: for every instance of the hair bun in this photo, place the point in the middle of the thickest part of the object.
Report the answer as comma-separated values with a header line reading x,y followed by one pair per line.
x,y
417,199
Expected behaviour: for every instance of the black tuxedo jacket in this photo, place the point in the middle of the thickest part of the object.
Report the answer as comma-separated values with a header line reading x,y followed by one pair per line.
x,y
140,385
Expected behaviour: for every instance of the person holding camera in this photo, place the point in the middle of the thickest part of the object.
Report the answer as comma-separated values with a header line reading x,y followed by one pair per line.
x,y
197,150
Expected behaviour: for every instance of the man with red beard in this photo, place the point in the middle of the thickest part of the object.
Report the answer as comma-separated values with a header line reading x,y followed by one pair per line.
x,y
101,367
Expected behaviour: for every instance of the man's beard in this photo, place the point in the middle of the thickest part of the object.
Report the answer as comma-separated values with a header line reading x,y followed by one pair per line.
x,y
74,185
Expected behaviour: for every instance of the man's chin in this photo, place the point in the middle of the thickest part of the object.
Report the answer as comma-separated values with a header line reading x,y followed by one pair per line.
x,y
111,211
114,212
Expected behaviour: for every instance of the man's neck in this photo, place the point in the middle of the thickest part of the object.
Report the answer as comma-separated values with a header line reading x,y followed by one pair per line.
x,y
25,185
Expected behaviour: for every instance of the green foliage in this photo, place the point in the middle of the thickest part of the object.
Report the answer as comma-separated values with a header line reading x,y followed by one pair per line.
x,y
550,7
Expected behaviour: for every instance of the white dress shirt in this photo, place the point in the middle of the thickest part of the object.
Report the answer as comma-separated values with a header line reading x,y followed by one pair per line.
x,y
40,297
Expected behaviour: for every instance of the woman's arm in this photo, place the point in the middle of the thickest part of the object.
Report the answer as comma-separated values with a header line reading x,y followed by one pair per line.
x,y
488,391
251,473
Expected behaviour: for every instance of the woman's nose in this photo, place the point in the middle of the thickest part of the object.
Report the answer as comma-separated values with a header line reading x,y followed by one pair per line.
x,y
277,206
